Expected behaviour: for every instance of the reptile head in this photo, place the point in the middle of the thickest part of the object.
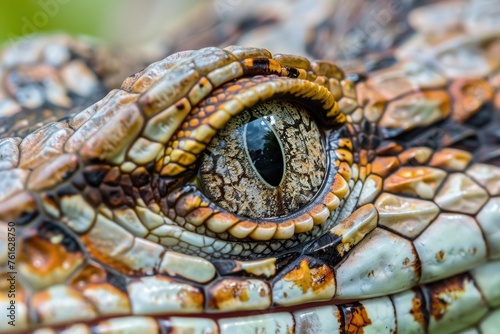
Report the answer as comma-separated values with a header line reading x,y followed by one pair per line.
x,y
225,180
207,171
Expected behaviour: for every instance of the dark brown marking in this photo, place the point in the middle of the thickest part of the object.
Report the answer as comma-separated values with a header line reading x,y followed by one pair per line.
x,y
418,310
113,196
66,190
79,181
355,317
443,293
292,72
140,177
227,267
440,256
93,196
309,276
95,174
258,66
112,178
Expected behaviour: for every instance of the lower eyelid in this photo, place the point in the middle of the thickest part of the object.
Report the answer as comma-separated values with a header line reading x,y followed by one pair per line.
x,y
199,210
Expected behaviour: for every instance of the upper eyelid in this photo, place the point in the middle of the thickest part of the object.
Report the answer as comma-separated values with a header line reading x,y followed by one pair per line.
x,y
213,113
164,83
169,89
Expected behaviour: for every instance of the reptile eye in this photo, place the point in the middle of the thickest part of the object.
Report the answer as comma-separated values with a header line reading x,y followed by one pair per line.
x,y
248,163
268,161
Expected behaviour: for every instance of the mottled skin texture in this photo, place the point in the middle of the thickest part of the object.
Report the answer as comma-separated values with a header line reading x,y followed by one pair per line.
x,y
106,201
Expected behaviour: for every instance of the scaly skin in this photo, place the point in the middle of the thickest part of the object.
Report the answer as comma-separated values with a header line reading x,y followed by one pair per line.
x,y
116,228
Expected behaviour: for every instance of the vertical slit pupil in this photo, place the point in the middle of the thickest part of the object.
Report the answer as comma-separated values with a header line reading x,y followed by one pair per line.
x,y
264,150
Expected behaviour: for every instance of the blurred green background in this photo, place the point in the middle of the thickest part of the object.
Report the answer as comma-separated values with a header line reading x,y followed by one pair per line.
x,y
114,21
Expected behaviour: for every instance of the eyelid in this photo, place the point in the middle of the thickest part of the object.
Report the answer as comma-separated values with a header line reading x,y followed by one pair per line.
x,y
214,112
185,121
202,213
198,210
